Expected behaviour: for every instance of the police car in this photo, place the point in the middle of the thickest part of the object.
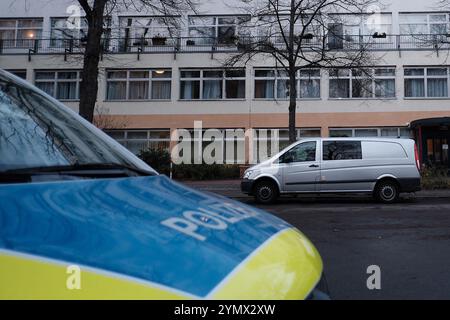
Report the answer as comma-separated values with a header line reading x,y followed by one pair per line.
x,y
71,198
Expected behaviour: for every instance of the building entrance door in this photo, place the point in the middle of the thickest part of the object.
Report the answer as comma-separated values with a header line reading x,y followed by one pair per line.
x,y
437,151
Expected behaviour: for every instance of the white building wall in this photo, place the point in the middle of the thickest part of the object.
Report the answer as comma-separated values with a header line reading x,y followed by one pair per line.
x,y
322,112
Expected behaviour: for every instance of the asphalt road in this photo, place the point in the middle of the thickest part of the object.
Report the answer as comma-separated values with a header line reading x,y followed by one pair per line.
x,y
409,241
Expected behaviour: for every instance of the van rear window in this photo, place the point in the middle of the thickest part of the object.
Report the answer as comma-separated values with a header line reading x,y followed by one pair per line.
x,y
383,150
342,150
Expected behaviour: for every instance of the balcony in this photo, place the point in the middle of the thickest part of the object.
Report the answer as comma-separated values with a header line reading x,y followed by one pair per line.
x,y
211,45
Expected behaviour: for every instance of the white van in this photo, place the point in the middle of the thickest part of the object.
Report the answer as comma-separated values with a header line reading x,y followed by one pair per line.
x,y
382,167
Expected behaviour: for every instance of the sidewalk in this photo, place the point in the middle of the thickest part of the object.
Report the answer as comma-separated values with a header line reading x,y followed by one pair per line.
x,y
231,188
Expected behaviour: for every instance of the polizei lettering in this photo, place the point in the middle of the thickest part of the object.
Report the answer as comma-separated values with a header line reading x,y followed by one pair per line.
x,y
217,217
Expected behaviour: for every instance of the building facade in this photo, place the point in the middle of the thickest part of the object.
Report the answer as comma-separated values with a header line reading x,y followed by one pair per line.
x,y
155,78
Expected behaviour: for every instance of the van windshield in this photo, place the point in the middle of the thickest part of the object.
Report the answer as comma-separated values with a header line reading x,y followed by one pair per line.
x,y
36,132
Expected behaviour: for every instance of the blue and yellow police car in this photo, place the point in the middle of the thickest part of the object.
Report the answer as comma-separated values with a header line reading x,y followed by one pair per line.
x,y
72,198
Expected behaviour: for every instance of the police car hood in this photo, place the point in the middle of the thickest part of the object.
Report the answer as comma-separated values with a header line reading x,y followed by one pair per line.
x,y
159,234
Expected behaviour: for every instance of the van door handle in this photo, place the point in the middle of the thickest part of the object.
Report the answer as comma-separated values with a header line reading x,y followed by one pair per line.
x,y
314,166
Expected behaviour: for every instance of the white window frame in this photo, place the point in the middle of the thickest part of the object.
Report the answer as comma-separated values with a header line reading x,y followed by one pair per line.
x,y
148,140
216,24
55,81
372,77
76,32
428,20
128,79
285,138
425,77
277,77
202,78
153,27
378,129
15,42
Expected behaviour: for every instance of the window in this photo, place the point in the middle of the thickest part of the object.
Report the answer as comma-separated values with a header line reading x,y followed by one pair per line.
x,y
147,27
303,152
61,84
426,82
210,84
274,84
340,81
375,83
269,26
20,73
137,140
213,146
72,28
354,25
66,28
392,132
342,150
235,84
139,84
268,142
309,84
379,22
210,28
20,32
424,23
137,31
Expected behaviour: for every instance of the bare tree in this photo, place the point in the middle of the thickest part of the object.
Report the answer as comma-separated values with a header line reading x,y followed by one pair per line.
x,y
96,11
302,34
104,120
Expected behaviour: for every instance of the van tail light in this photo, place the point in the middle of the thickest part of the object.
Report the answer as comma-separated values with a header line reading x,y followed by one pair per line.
x,y
416,156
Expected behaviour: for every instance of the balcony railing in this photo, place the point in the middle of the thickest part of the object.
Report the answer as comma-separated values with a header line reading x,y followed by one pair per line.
x,y
211,44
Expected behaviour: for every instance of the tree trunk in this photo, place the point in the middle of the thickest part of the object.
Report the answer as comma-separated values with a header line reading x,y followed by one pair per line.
x,y
292,103
89,83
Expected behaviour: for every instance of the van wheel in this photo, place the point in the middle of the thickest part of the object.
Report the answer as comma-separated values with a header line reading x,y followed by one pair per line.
x,y
387,191
266,192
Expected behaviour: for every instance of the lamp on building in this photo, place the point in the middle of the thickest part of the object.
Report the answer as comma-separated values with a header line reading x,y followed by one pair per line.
x,y
30,35
159,71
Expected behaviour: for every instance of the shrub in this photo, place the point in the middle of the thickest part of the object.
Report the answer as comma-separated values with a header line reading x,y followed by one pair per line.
x,y
435,178
205,171
159,159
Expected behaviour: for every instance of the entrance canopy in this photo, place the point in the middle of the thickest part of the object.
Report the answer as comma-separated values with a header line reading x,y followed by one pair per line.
x,y
430,122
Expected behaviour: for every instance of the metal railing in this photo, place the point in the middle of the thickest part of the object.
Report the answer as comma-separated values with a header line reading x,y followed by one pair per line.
x,y
211,44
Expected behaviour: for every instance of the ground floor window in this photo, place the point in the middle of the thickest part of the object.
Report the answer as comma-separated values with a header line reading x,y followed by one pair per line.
x,y
220,146
137,140
268,142
387,132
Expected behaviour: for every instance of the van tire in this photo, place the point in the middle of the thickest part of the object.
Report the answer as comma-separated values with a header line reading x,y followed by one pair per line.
x,y
266,192
387,191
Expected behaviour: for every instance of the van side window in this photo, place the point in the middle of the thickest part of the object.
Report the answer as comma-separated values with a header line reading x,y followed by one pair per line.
x,y
342,150
302,152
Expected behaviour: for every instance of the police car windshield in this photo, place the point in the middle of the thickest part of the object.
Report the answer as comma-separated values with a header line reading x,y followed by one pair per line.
x,y
37,132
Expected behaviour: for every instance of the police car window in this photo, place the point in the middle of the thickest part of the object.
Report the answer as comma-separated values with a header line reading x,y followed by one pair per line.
x,y
35,131
302,152
23,143
342,150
